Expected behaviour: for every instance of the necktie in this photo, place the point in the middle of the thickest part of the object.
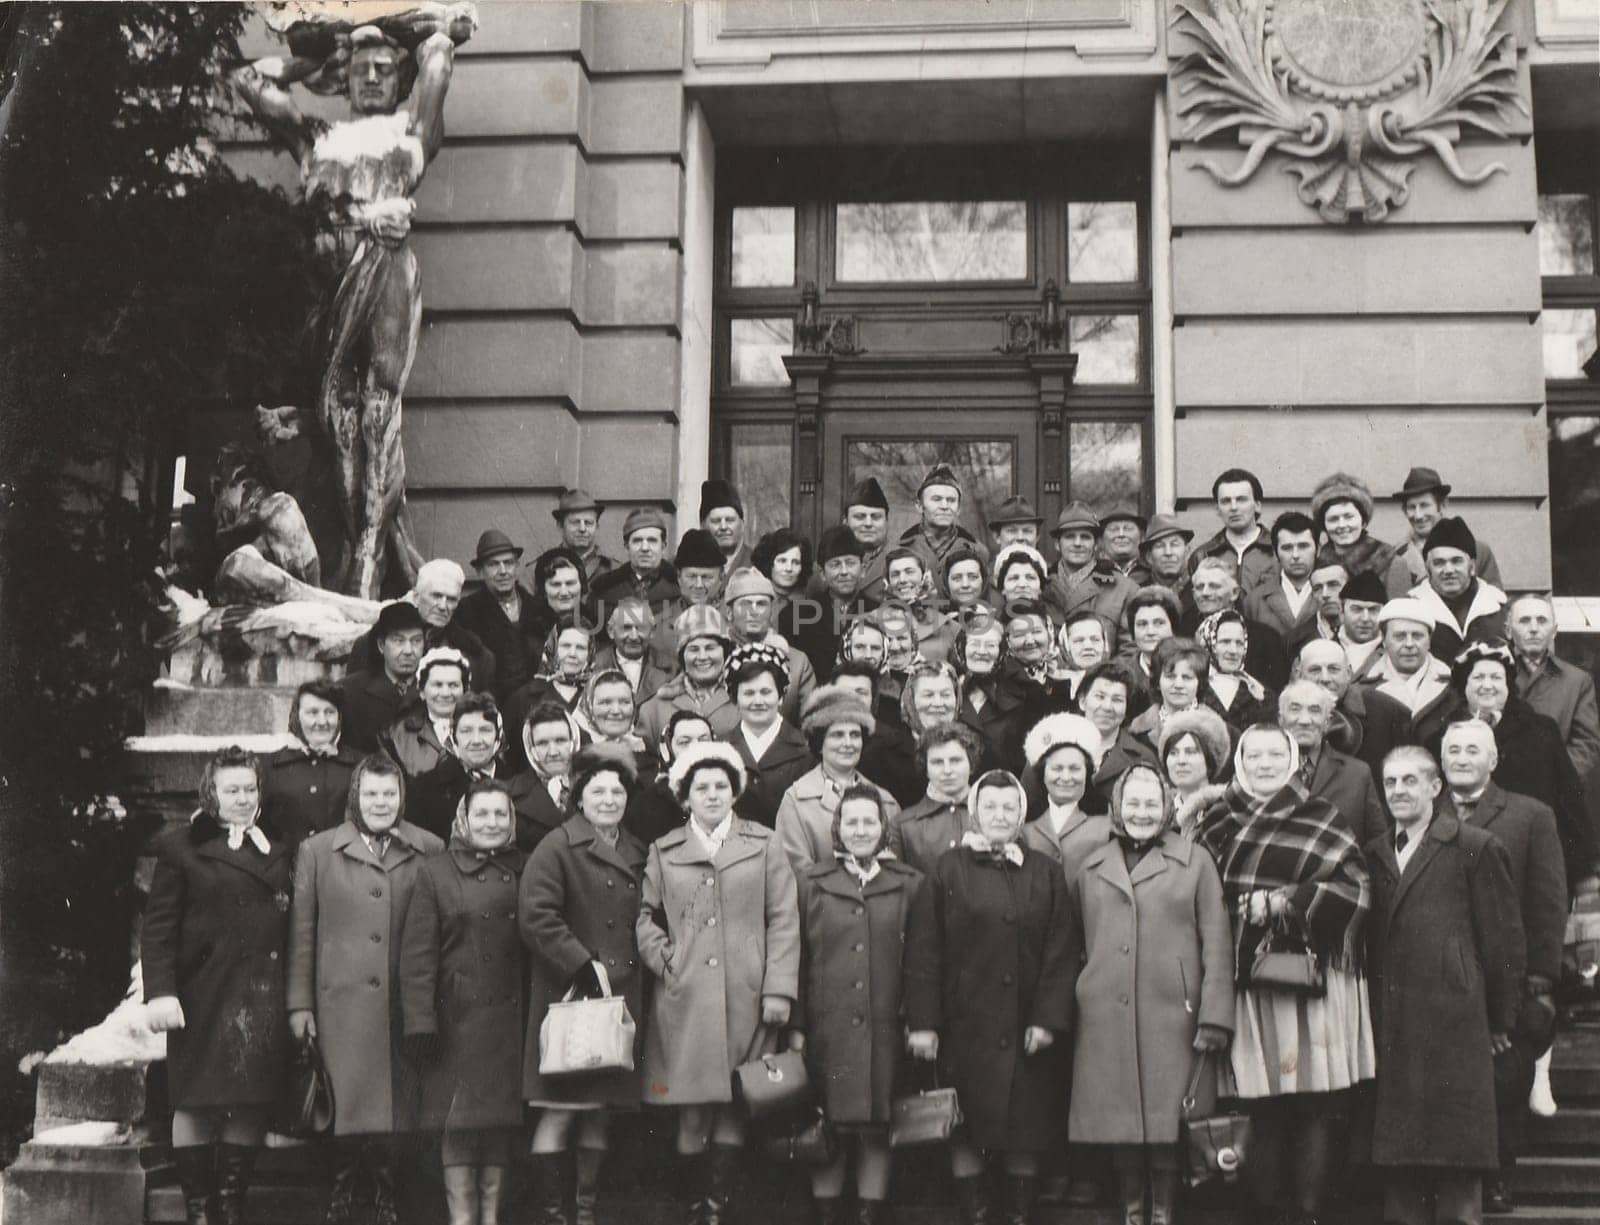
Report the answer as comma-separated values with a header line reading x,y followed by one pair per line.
x,y
1307,769
1400,841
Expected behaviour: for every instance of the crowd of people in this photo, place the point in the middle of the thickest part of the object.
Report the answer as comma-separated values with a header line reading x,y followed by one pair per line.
x,y
1290,814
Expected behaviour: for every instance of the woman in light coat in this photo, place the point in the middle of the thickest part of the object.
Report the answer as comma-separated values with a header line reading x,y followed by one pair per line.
x,y
720,931
352,886
1155,991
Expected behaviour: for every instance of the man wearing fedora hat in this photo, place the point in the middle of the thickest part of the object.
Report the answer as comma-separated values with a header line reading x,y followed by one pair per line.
x,y
577,514
939,534
1425,499
1163,552
501,612
1083,580
1014,522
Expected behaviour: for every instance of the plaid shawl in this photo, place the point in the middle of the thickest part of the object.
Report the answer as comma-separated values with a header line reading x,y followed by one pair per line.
x,y
1296,841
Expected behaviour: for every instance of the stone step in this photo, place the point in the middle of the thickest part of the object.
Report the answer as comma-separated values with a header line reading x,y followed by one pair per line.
x,y
174,708
1542,1212
1573,1129
171,764
1568,1180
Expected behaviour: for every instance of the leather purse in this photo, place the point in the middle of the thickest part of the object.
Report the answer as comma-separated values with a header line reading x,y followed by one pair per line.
x,y
1280,967
307,1108
771,1083
813,1142
925,1117
1216,1145
587,1035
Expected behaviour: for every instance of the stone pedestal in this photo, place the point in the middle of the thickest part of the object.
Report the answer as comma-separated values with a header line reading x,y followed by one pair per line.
x,y
80,1175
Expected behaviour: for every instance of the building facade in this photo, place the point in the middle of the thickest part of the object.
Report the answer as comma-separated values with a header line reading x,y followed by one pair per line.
x,y
794,244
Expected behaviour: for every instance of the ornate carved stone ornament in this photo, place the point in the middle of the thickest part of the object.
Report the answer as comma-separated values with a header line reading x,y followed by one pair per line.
x,y
1352,92
815,332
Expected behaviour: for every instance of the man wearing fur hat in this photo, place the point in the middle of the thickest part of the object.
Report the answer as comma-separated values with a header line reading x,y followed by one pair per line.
x,y
1360,634
722,514
1424,500
939,500
866,514
1082,579
1409,672
1464,607
747,604
1341,505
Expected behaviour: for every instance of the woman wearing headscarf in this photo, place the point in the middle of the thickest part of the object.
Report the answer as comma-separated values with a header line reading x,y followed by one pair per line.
x,y
1063,752
1229,690
836,724
979,651
304,787
475,740
1194,753
550,739
352,886
215,933
1155,992
607,713
989,970
931,697
854,908
569,650
1294,880
462,979
578,908
719,930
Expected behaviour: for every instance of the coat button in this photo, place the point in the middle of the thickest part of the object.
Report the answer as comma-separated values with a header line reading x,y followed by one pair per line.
x,y
1125,948
373,982
712,921
858,910
272,956
630,885
856,1021
377,893
1122,999
860,986
859,946
611,884
377,939
481,876
505,877
712,962
611,961
1006,979
312,789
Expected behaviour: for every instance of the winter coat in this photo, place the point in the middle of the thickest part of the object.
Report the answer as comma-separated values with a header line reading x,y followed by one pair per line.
x,y
652,675
461,977
1565,693
653,812
889,758
537,814
344,952
852,940
1483,622
1367,724
617,584
1445,963
990,953
516,645
215,936
1126,751
366,656
924,832
579,902
372,703
718,934
786,759
1270,606
654,715
303,794
1084,835
432,799
1158,962
1257,568
1348,785
805,818
413,743
1105,592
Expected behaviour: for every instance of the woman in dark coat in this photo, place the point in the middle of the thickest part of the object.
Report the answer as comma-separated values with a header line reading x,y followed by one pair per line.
x,y
850,1005
476,737
215,935
304,788
989,974
577,909
550,737
461,985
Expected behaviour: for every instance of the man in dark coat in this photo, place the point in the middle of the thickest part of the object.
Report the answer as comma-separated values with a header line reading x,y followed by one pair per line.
x,y
1083,580
938,533
1527,829
502,612
647,574
375,697
1366,724
1288,606
1238,496
1465,608
1305,710
1445,958
1214,586
839,558
437,596
1551,685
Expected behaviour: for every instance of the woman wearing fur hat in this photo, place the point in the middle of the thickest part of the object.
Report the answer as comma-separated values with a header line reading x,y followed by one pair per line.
x,y
774,753
989,970
836,725
1194,751
719,929
419,739
215,934
577,910
1143,1017
1063,752
856,900
1342,506
461,992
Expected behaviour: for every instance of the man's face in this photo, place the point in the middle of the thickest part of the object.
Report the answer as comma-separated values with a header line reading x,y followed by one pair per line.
x,y
1106,705
578,528
400,654
1327,585
645,549
905,578
1324,663
726,528
1213,590
437,599
687,732
1018,533
697,583
1236,503
1342,522
702,660
1086,643
1296,553
1076,545
751,615
500,573
374,82
842,575
552,747
1422,512
1533,627
867,643
1409,790
1406,644
940,506
1028,638
857,686
630,636
1450,571
1468,757
1304,711
869,524
1166,555
1360,622
1120,538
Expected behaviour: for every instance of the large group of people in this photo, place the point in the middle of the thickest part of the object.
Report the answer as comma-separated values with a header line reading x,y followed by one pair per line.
x,y
1289,814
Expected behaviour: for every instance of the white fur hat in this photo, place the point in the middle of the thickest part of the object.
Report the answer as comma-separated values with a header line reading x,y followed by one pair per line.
x,y
1062,728
698,754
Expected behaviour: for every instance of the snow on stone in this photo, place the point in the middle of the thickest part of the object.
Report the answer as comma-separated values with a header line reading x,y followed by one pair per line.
x,y
123,1037
87,1135
189,742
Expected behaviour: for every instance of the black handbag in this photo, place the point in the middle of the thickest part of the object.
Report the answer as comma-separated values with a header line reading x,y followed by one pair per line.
x,y
1283,964
771,1083
812,1142
1217,1145
926,1117
307,1109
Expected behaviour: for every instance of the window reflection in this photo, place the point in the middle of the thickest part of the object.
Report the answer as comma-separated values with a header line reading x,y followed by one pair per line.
x,y
1107,347
1569,341
1105,464
985,468
758,347
1102,241
763,247
1566,235
760,464
981,240
1575,503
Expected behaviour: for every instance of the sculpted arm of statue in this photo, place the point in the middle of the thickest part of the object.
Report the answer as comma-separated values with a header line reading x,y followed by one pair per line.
x,y
264,85
436,57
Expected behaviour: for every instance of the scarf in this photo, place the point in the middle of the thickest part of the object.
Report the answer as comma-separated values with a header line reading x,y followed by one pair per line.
x,y
1207,634
1367,555
711,840
461,838
313,752
1007,852
238,834
1120,830
863,873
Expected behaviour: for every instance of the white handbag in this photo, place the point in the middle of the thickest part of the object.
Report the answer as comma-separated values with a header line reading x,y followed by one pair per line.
x,y
587,1035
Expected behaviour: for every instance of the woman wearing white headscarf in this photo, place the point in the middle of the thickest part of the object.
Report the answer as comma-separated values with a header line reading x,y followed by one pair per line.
x,y
989,970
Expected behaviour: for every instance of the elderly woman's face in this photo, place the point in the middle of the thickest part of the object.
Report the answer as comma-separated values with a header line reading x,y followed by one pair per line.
x,y
999,813
1179,685
1142,808
703,659
841,748
1264,759
604,800
378,799
563,589
786,569
1085,643
710,796
552,747
899,642
1028,638
1487,690
238,794
442,690
319,719
477,740
612,709
1065,776
1229,647
572,653
860,827
949,771
983,650
1151,625
934,700
1342,522
489,821
1186,764
965,582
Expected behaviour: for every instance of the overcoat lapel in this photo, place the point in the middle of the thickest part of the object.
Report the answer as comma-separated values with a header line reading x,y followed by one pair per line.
x,y
1107,863
252,864
1442,829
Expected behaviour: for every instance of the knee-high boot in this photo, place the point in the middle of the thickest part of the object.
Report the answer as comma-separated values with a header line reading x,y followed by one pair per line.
x,y
1132,1183
197,1178
722,1183
461,1194
1022,1192
235,1164
549,1189
491,1193
586,1164
1163,1195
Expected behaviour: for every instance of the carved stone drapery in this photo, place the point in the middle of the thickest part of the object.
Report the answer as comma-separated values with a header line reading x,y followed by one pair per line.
x,y
1353,94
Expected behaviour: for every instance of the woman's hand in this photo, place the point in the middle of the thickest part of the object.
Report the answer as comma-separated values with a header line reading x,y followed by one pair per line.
x,y
797,1040
1211,1039
923,1044
1036,1038
1255,907
774,1010
303,1024
163,1013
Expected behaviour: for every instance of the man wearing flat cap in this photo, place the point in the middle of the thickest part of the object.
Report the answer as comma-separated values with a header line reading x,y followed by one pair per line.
x,y
938,534
1163,552
722,514
501,612
1464,607
1014,522
1082,580
577,514
647,575
1425,499
1121,534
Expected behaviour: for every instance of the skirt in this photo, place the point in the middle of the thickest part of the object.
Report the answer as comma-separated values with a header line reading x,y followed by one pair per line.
x,y
1284,1042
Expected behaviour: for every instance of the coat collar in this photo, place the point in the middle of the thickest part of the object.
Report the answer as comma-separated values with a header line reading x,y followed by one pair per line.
x,y
745,841
252,863
788,745
1107,862
507,857
1443,829
1486,601
814,785
1491,805
348,840
627,856
830,877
